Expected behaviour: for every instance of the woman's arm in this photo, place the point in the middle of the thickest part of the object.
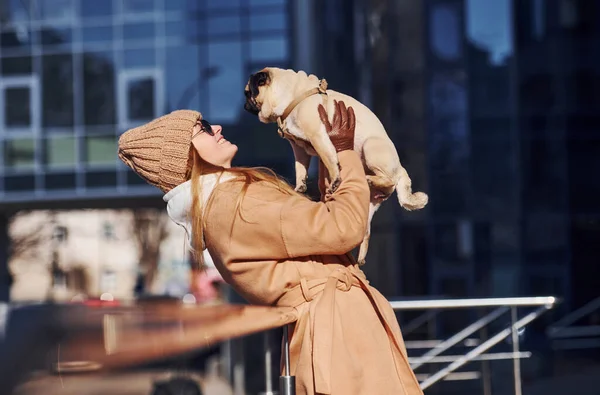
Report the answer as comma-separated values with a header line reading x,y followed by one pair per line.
x,y
334,226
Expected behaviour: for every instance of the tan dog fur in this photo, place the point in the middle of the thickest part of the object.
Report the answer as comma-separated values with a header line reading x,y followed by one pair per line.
x,y
307,135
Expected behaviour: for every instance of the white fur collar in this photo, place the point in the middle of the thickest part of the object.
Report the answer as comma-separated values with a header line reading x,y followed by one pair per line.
x,y
179,203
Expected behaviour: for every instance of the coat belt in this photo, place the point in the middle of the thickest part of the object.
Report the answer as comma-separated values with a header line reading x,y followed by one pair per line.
x,y
342,279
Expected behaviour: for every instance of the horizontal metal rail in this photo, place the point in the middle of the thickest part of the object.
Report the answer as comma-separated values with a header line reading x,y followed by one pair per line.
x,y
478,353
469,303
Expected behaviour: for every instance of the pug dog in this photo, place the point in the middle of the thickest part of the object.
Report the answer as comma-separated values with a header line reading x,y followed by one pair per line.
x,y
291,99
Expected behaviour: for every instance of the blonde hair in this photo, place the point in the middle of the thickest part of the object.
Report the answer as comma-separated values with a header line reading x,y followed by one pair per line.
x,y
248,175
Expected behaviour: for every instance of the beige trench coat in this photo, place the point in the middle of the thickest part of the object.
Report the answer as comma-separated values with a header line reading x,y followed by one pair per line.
x,y
288,251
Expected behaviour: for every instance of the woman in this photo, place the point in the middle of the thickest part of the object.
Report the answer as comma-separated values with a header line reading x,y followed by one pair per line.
x,y
276,247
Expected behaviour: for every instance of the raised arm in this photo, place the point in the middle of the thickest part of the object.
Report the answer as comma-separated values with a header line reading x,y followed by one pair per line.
x,y
334,226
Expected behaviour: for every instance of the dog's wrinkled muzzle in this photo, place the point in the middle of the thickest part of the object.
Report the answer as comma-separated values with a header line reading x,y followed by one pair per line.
x,y
251,107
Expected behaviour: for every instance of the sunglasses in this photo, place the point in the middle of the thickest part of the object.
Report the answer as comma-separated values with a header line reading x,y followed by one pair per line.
x,y
205,127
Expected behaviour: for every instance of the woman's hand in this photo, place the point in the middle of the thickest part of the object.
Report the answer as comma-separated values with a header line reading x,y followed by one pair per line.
x,y
341,130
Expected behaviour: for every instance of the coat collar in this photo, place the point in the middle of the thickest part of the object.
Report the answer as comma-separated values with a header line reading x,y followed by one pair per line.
x,y
179,200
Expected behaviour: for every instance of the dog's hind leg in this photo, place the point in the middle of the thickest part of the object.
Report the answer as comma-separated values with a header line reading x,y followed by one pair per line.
x,y
364,246
381,186
302,162
382,160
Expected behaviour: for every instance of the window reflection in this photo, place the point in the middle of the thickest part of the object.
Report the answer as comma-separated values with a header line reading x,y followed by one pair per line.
x,y
267,2
224,25
144,57
489,27
56,10
213,4
57,90
60,151
16,65
96,33
19,153
95,8
445,32
138,31
100,149
17,107
140,97
265,22
273,49
227,84
99,88
184,65
135,6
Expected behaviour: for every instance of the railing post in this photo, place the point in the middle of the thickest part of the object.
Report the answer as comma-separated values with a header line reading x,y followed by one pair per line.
x,y
287,382
515,350
268,365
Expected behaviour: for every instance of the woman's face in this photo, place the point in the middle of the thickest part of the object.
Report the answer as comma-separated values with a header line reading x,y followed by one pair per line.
x,y
210,144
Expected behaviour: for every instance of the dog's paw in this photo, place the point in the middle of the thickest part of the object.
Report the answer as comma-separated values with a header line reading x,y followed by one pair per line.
x,y
301,188
335,184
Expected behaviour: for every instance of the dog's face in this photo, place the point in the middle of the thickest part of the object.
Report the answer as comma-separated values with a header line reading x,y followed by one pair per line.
x,y
259,95
255,91
269,91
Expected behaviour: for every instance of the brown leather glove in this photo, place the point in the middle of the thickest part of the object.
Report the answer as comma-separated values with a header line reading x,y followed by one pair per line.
x,y
341,130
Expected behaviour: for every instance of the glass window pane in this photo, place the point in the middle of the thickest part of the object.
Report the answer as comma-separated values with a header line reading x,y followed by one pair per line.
x,y
445,32
16,40
144,57
16,65
97,34
19,183
226,85
60,181
99,179
138,31
258,3
489,27
134,179
99,88
17,107
135,6
100,150
57,87
95,8
56,38
140,96
274,49
60,151
55,9
224,25
19,153
184,77
16,11
213,4
262,22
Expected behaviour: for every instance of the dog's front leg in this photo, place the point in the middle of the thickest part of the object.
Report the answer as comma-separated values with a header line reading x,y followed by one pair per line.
x,y
302,162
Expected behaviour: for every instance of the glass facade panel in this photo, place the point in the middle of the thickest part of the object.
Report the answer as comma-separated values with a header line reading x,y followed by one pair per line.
x,y
17,107
226,98
19,153
100,150
57,90
74,72
60,151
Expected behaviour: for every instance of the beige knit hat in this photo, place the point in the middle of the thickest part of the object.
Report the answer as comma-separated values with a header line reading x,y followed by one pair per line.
x,y
159,150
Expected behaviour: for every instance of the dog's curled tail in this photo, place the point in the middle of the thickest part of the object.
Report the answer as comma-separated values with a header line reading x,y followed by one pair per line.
x,y
408,200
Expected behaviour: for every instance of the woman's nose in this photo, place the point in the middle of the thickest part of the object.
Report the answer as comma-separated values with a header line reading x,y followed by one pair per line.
x,y
217,129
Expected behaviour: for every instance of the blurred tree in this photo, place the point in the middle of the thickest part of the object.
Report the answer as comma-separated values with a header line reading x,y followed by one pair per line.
x,y
150,228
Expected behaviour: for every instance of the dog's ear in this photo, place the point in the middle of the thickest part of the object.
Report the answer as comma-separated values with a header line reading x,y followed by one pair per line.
x,y
257,80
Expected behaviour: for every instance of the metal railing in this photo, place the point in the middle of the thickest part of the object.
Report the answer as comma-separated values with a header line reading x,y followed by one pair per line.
x,y
438,347
569,333
478,352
